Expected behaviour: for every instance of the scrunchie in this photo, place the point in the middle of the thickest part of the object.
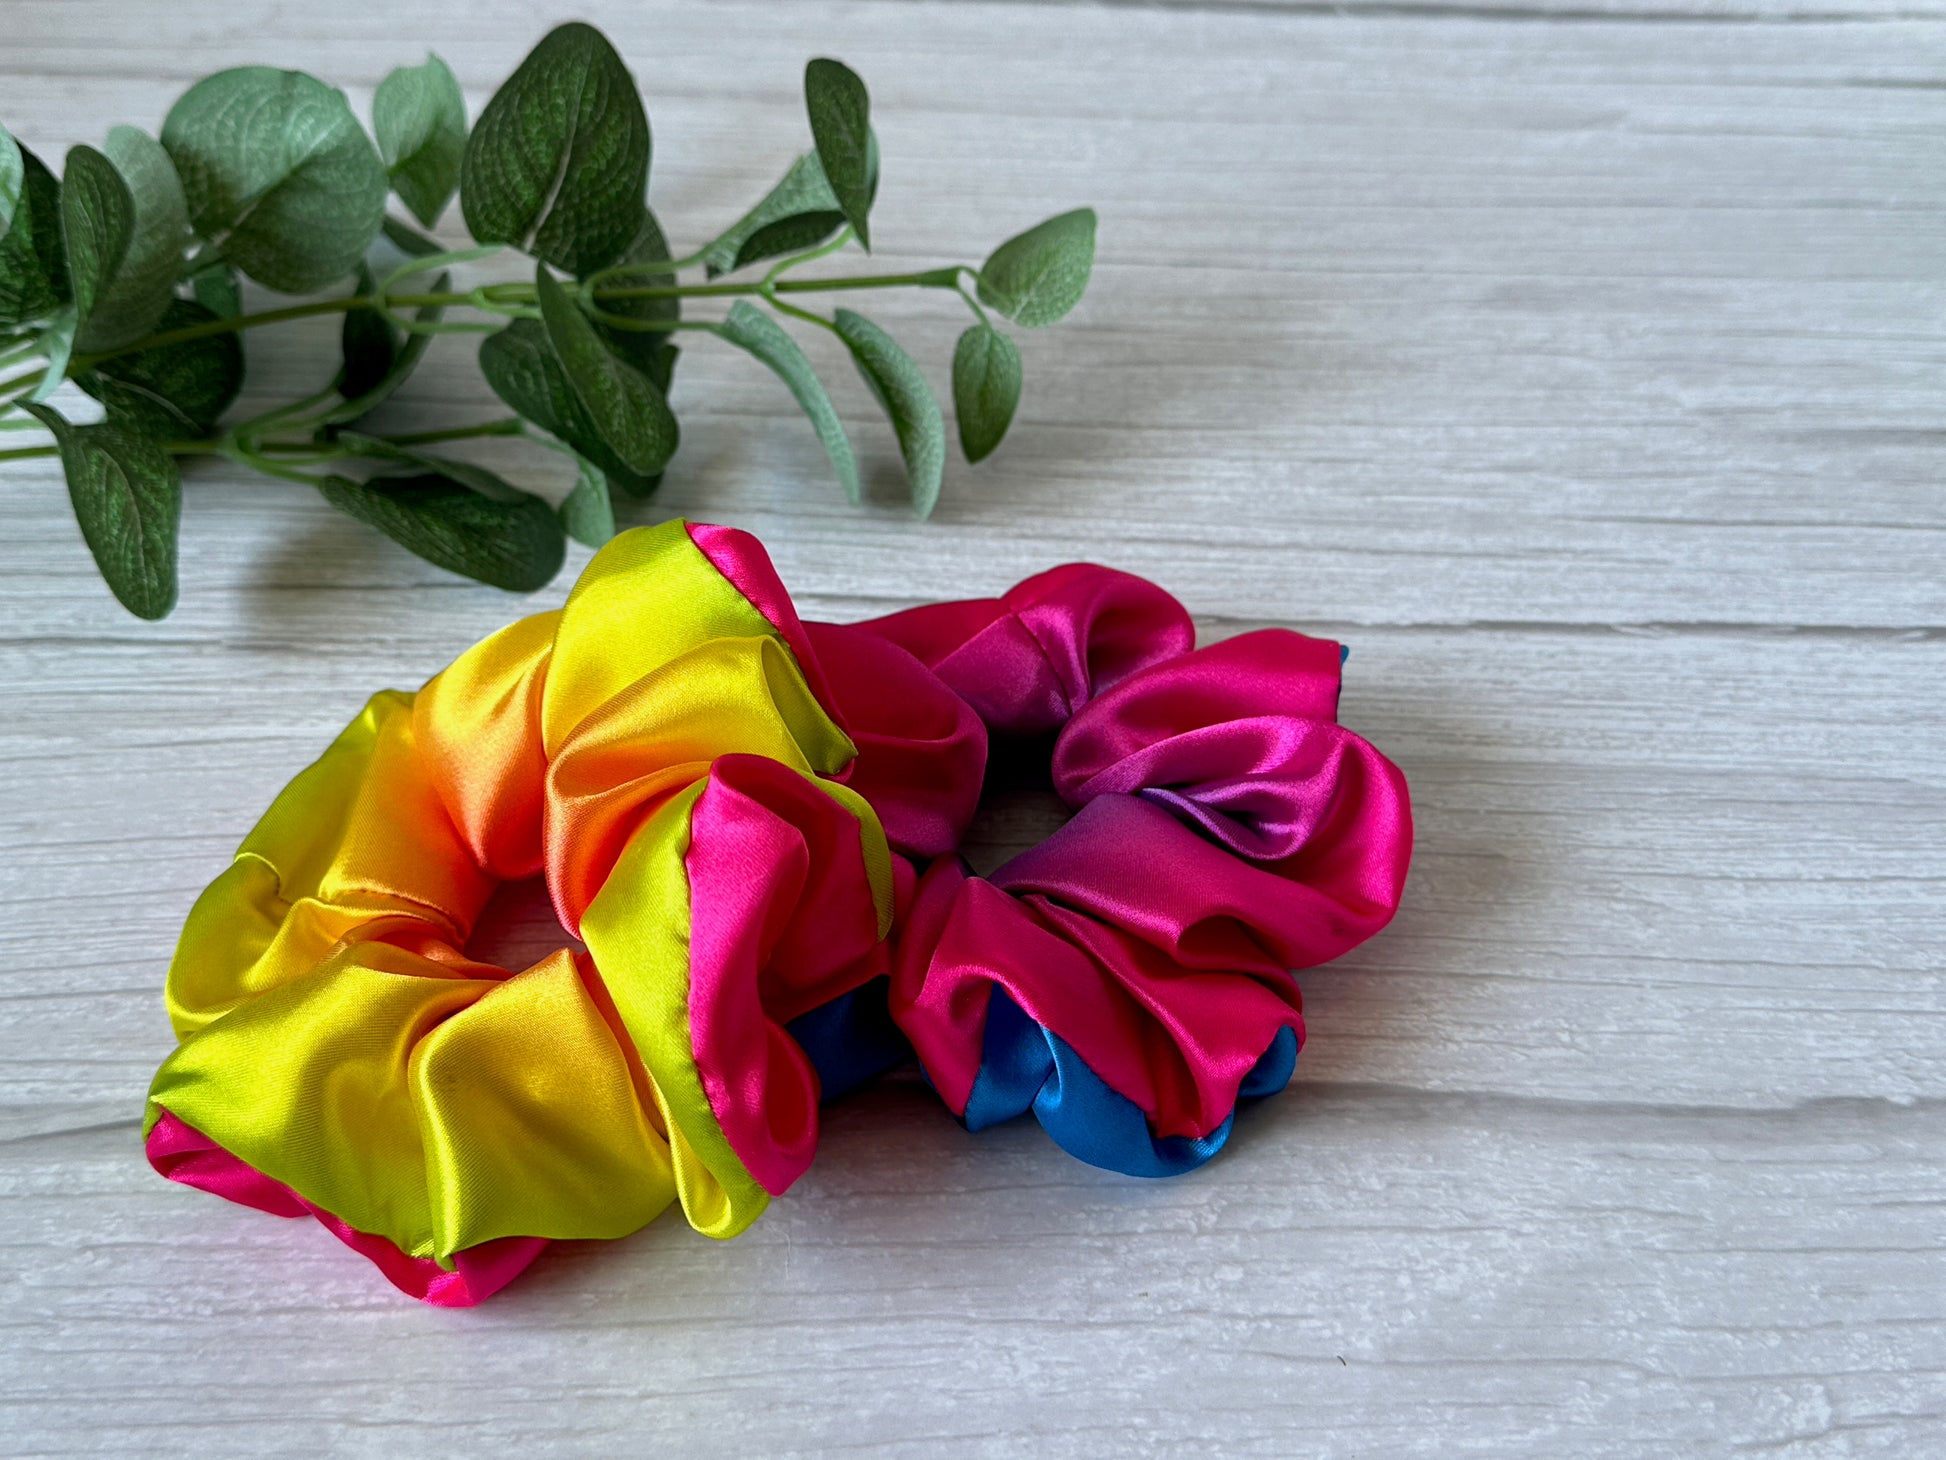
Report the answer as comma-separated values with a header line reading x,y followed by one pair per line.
x,y
1127,979
751,824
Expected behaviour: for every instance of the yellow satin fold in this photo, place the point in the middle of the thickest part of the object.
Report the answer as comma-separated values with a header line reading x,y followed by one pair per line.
x,y
658,735
335,1035
646,966
646,598
357,836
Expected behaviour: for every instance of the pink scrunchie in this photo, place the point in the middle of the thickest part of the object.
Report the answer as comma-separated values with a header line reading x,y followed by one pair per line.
x,y
1228,829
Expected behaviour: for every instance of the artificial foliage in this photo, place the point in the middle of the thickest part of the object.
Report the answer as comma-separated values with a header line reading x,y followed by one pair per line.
x,y
123,275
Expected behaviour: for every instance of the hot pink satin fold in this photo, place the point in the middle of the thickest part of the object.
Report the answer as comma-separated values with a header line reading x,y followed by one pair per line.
x,y
1027,660
922,749
1228,830
771,937
182,1153
742,560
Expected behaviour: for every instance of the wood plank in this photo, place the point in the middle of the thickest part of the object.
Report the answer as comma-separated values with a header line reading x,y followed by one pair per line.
x,y
1577,362
1365,1272
1471,322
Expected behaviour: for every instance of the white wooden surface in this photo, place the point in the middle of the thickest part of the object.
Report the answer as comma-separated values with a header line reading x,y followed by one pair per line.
x,y
1583,364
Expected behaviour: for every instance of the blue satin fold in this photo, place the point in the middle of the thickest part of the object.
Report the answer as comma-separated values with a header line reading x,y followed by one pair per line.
x,y
852,1039
1024,1066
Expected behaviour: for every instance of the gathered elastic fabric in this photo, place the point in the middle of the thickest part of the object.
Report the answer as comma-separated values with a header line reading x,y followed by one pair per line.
x,y
750,825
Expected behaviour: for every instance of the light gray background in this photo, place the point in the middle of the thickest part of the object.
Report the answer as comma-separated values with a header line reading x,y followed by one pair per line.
x,y
1584,367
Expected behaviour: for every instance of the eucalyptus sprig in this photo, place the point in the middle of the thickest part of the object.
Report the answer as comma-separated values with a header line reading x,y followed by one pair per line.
x,y
124,276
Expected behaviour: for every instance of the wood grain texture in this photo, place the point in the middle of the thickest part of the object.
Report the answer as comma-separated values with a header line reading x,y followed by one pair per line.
x,y
1583,365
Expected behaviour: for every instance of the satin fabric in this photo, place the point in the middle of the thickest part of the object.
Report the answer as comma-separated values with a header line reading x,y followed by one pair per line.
x,y
337,1040
1227,830
751,823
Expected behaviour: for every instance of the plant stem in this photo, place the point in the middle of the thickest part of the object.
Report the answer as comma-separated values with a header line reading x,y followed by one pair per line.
x,y
974,304
509,426
795,313
22,383
517,294
924,279
785,265
448,327
269,468
633,325
426,263
688,261
210,328
246,433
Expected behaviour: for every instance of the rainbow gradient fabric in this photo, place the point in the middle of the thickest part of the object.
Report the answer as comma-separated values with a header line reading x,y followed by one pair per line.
x,y
750,824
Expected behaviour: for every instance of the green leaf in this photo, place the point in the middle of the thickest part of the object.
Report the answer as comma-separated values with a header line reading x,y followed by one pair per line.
x,y
651,351
278,172
57,343
517,546
588,514
177,392
902,390
663,368
559,160
13,177
801,207
369,342
132,297
628,412
799,213
986,389
405,359
97,221
521,368
1036,277
519,365
841,125
473,478
33,263
127,497
408,241
216,289
751,329
639,487
419,118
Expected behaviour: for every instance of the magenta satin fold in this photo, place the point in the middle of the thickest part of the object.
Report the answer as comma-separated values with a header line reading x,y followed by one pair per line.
x,y
182,1153
770,939
1227,831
